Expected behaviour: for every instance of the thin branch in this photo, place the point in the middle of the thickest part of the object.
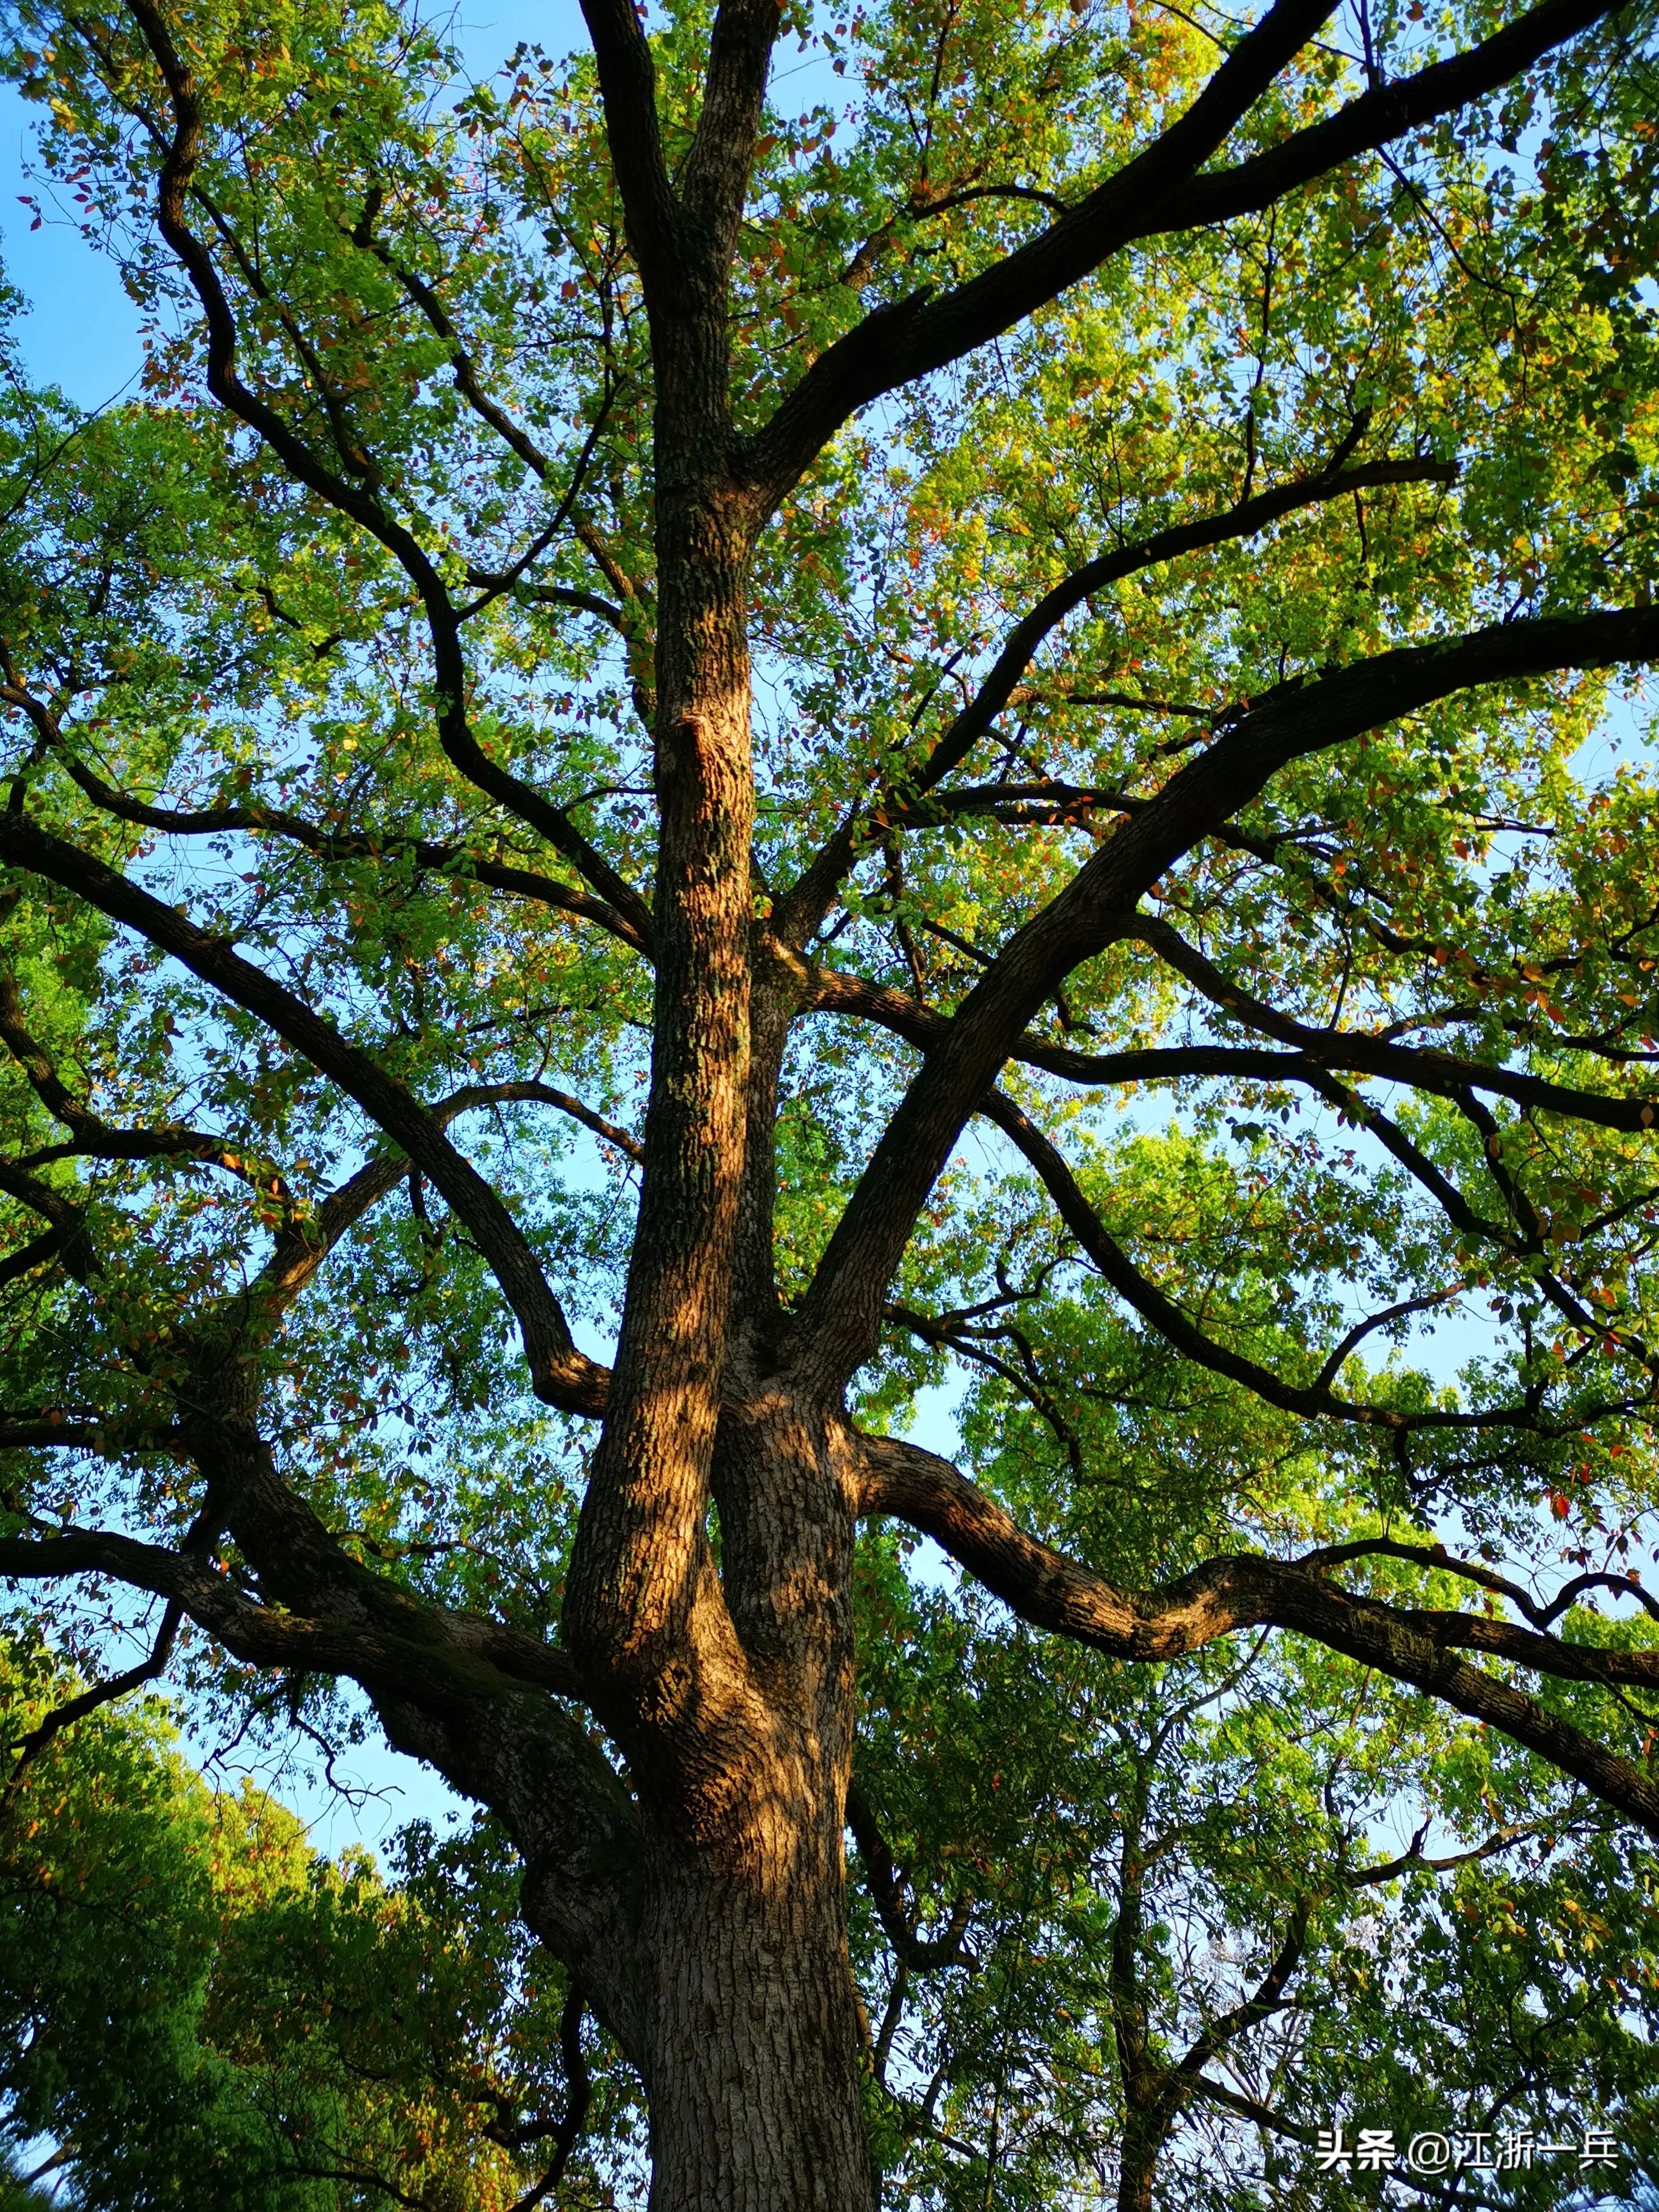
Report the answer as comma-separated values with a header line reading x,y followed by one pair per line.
x,y
1309,1400
886,1887
29,1747
803,910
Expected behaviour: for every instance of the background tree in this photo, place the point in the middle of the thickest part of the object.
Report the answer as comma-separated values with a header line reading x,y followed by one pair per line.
x,y
198,2010
1077,585
1132,1937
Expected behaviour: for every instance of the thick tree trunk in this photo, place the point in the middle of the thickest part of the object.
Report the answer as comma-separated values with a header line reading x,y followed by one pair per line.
x,y
754,2073
755,2051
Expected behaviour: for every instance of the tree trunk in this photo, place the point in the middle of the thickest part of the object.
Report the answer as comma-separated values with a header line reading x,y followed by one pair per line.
x,y
1137,2163
754,2071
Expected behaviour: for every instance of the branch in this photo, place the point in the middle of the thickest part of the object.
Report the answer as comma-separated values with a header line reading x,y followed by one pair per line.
x,y
355,499
1437,1558
92,1138
1415,1860
1310,1401
30,1747
886,1887
1160,190
1378,116
1059,1594
803,910
443,1657
560,1373
35,1254
1424,1068
839,1319
715,178
579,2092
26,1433
1263,2000
907,340
628,87
303,1246
1248,2108
443,859
70,1239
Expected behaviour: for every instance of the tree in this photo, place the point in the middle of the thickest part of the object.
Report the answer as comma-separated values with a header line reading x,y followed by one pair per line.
x,y
200,2011
1085,578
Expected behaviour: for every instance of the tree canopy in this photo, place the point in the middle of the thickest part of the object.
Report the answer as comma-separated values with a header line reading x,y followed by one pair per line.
x,y
812,701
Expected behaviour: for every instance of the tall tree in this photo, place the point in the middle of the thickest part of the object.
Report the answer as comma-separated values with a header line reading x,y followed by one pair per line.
x,y
1137,1936
1083,568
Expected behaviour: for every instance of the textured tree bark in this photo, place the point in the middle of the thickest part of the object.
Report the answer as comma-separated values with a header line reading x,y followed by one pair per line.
x,y
752,2047
753,2065
729,1689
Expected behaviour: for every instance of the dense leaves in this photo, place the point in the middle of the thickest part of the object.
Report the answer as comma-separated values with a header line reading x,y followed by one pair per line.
x,y
825,702
201,2011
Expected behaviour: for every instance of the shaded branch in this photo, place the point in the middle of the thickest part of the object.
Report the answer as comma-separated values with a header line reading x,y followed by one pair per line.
x,y
30,1747
1250,2108
803,910
560,1373
1157,191
840,1317
1052,1591
457,1656
886,1887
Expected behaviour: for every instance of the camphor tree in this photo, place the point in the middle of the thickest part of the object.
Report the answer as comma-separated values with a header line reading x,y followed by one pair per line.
x,y
1161,1950
821,694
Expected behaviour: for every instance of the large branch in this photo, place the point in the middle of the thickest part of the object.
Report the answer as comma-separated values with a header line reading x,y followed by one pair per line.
x,y
716,174
628,87
560,1373
1054,1592
1159,190
839,1319
803,910
899,342
263,1635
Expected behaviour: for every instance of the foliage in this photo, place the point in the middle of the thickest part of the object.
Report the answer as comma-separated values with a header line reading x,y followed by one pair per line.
x,y
201,2011
962,703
